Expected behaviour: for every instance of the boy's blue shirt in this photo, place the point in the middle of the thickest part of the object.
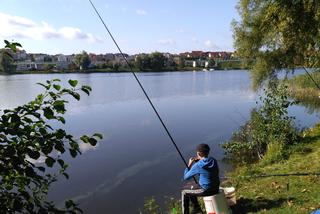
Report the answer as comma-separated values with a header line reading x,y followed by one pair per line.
x,y
208,171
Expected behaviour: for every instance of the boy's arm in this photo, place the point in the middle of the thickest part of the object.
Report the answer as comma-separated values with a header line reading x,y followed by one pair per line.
x,y
190,173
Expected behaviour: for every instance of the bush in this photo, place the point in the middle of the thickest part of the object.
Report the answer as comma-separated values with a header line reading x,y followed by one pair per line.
x,y
26,136
268,132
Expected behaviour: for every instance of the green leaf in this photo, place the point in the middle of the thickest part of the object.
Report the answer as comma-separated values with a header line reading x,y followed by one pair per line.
x,y
48,113
53,95
75,95
57,87
85,138
50,161
66,175
69,204
86,89
59,147
62,120
98,135
73,83
60,133
42,169
33,154
43,85
93,141
61,163
73,152
59,106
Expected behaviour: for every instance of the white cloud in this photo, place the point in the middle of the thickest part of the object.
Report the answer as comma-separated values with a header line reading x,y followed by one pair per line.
x,y
195,40
166,41
210,44
181,30
21,27
141,12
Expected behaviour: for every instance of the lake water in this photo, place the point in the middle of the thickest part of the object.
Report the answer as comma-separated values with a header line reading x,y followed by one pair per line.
x,y
136,159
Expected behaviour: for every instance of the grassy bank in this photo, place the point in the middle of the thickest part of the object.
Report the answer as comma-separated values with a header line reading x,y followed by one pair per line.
x,y
293,194
303,89
273,195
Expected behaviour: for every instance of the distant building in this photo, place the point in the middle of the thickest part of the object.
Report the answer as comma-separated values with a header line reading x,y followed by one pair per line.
x,y
39,57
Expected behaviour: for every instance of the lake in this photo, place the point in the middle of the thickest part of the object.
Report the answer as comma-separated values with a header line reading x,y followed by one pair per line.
x,y
136,159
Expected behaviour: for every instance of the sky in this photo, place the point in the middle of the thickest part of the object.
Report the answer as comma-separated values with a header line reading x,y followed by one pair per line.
x,y
139,26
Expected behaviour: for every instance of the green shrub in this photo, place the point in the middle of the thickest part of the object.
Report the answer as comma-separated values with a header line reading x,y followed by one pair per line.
x,y
269,128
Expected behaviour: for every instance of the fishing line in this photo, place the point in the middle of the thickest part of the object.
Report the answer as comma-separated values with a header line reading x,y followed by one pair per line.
x,y
136,78
274,175
311,78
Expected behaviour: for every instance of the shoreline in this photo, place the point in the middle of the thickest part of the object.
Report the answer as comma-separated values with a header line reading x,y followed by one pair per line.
x,y
113,71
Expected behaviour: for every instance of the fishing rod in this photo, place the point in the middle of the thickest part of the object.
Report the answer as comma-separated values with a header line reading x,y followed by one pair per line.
x,y
141,86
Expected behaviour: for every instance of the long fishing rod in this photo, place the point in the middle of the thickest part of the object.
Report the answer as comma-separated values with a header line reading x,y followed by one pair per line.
x,y
136,78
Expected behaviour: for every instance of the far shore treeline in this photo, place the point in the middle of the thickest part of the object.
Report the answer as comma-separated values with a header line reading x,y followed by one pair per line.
x,y
22,62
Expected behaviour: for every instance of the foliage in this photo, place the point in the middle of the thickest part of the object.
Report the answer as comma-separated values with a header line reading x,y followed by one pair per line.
x,y
82,60
272,35
155,61
151,206
226,65
142,62
303,80
48,67
294,194
270,127
303,89
27,137
6,57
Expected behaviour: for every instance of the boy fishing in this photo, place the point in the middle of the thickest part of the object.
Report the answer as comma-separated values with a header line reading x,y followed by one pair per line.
x,y
208,171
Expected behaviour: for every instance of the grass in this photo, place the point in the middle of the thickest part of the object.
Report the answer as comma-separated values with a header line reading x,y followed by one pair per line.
x,y
273,195
304,90
293,194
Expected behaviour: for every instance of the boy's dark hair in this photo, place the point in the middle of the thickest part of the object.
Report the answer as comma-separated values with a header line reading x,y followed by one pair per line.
x,y
203,149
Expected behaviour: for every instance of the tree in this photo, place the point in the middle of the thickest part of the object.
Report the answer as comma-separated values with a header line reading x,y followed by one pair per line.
x,y
26,136
157,61
274,35
6,58
142,62
48,67
82,60
269,131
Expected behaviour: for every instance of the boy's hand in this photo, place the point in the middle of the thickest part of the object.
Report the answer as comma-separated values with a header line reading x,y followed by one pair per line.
x,y
191,161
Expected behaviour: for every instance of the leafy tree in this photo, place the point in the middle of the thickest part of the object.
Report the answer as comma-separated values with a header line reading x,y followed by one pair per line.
x,y
273,35
6,58
142,62
48,67
157,61
82,60
269,131
27,137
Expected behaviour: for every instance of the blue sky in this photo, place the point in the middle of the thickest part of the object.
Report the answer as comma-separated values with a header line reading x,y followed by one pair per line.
x,y
69,26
